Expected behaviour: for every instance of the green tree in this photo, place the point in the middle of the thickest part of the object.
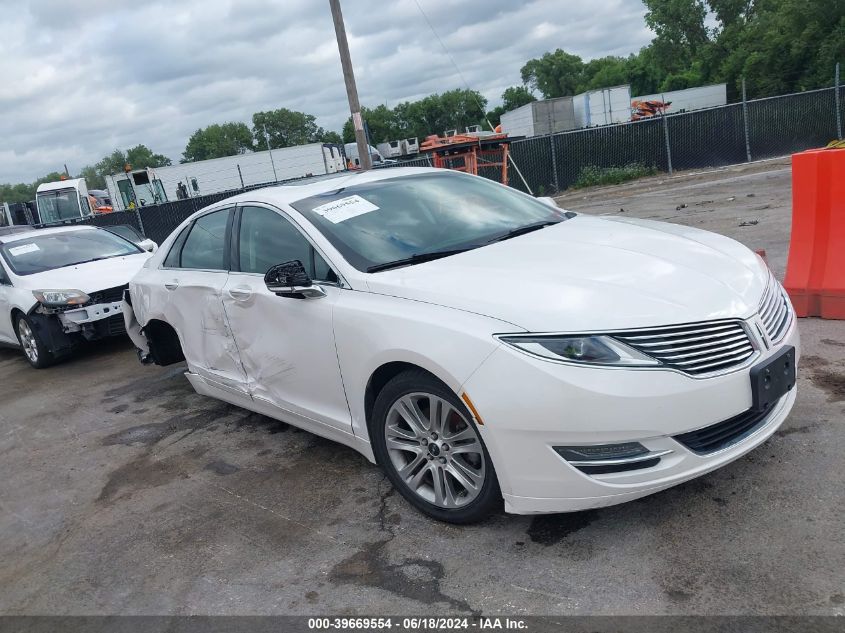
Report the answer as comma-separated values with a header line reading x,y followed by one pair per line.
x,y
555,74
286,128
23,192
681,34
218,140
330,136
92,177
434,114
516,96
139,157
605,72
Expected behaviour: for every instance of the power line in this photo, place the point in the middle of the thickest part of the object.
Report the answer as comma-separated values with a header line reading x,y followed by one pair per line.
x,y
471,91
452,59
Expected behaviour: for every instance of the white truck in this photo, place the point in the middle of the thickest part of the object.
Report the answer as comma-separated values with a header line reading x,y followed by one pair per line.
x,y
399,149
63,201
154,185
375,155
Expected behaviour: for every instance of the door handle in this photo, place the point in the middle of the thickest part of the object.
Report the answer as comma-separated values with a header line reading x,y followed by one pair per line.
x,y
240,294
172,285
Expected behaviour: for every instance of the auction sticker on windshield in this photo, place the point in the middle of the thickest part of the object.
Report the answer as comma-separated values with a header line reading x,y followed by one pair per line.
x,y
345,209
23,249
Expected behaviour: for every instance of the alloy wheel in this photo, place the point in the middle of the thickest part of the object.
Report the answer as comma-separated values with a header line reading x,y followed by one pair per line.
x,y
30,347
435,450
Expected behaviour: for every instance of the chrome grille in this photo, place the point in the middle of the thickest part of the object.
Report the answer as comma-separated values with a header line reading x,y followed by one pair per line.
x,y
696,348
774,311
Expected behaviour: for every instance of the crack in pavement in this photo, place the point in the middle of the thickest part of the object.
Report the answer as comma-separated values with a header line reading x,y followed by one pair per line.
x,y
414,578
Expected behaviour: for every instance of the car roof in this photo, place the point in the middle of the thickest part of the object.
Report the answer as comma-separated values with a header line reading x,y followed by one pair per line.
x,y
24,235
300,189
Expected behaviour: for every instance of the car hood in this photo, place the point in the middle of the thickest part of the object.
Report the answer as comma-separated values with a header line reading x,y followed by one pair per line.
x,y
90,277
592,273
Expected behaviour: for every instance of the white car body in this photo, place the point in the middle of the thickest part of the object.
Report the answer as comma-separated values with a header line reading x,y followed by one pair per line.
x,y
310,363
92,278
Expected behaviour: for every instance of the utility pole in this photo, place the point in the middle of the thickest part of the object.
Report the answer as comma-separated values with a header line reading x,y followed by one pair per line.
x,y
838,101
351,91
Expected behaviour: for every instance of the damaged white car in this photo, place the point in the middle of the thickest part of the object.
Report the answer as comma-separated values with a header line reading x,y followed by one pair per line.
x,y
477,343
62,286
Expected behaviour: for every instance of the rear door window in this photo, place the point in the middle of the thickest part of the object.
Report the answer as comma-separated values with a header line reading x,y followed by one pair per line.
x,y
205,246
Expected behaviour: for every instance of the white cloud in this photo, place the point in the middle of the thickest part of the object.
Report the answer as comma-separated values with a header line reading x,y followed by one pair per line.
x,y
81,78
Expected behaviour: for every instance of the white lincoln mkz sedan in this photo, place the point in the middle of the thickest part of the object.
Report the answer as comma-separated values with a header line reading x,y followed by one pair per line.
x,y
479,344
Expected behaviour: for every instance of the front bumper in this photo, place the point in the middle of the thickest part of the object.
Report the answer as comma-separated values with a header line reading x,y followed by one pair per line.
x,y
542,404
75,320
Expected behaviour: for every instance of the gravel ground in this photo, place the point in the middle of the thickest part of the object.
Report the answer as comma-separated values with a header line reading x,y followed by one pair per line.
x,y
125,492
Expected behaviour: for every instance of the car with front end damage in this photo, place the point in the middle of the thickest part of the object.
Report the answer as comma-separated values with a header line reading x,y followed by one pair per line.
x,y
479,344
61,287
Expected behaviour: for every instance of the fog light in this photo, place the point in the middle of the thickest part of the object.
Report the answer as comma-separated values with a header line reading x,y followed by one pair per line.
x,y
598,452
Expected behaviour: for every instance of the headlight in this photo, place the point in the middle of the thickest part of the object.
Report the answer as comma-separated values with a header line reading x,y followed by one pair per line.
x,y
56,298
589,350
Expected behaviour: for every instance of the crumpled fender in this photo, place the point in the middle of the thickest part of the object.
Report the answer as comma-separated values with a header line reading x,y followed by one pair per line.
x,y
133,329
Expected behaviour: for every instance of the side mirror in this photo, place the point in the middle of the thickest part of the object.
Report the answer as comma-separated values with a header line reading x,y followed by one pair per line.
x,y
549,201
148,245
290,279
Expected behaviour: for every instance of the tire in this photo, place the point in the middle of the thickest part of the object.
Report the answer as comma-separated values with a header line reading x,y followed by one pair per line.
x,y
438,463
32,345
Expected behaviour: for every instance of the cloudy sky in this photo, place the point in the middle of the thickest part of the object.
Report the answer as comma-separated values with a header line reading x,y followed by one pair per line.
x,y
79,78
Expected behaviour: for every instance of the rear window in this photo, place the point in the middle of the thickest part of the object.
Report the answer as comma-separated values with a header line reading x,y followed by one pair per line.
x,y
40,253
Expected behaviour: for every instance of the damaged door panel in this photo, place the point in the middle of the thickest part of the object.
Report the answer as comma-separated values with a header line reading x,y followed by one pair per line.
x,y
195,310
286,344
287,349
190,300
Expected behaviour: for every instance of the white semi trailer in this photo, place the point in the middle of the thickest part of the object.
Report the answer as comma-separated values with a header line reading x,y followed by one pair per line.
x,y
588,109
154,185
691,98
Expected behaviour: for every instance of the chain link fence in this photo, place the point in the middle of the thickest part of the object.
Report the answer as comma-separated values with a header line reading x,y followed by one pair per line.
x,y
713,137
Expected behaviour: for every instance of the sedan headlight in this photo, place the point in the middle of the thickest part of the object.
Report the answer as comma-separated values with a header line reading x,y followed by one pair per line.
x,y
589,350
58,298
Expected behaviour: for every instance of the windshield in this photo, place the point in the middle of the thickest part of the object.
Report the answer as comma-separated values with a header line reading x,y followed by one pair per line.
x,y
375,223
57,250
55,206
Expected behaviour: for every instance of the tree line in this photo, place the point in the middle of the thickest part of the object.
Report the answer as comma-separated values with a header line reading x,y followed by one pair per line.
x,y
777,46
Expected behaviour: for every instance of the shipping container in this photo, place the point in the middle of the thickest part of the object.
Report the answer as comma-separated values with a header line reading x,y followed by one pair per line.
x,y
603,107
597,107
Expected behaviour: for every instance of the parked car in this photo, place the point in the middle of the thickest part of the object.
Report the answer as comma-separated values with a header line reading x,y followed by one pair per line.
x,y
477,343
130,233
62,286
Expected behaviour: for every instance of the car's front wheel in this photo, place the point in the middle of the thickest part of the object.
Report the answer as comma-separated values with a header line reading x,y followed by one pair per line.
x,y
33,347
427,443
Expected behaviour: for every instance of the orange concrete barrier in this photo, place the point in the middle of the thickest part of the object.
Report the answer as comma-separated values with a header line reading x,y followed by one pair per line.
x,y
815,271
